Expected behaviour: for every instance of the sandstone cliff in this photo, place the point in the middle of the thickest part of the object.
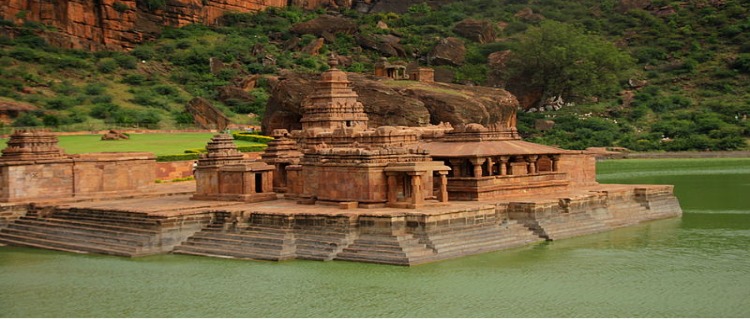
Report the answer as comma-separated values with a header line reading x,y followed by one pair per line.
x,y
120,24
388,102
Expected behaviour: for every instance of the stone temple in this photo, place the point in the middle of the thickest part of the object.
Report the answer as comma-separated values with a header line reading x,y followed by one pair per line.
x,y
337,189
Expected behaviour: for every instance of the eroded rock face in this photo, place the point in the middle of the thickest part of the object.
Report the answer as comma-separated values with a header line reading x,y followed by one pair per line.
x,y
206,115
325,23
449,51
395,103
476,30
120,24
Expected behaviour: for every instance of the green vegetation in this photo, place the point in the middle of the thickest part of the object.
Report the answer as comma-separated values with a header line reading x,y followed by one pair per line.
x,y
692,60
159,144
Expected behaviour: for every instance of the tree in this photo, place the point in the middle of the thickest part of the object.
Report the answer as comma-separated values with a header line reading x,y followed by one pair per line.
x,y
558,59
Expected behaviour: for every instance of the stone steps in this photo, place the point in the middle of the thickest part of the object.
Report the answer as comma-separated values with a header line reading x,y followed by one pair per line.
x,y
141,221
79,224
479,240
137,240
235,240
63,243
571,226
238,252
319,246
386,249
246,242
74,232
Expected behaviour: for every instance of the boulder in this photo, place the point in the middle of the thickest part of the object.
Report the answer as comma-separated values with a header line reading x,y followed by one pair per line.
x,y
114,135
232,93
476,30
325,23
528,15
407,103
385,45
449,51
497,63
247,83
206,115
313,48
544,125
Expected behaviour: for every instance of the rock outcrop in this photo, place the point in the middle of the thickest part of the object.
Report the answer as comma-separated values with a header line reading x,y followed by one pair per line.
x,y
395,103
449,51
206,115
325,24
120,24
476,30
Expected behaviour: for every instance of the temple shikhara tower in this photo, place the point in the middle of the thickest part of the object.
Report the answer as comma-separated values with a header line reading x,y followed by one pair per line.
x,y
338,158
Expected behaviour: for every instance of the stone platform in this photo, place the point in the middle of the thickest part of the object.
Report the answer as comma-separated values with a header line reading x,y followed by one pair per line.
x,y
168,221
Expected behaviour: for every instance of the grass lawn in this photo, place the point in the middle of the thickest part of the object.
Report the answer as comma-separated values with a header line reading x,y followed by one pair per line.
x,y
159,144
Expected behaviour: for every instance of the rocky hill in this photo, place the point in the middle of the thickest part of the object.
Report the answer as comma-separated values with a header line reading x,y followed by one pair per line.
x,y
681,82
122,24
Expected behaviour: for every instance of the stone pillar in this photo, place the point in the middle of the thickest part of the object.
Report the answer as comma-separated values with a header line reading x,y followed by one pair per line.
x,y
417,194
504,165
490,163
458,169
391,188
248,182
477,163
555,159
531,160
267,180
443,193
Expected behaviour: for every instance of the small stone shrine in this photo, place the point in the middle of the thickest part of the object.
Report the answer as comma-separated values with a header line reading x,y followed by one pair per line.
x,y
222,174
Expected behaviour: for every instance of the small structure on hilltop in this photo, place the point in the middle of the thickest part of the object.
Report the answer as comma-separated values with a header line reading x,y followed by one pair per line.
x,y
421,74
394,71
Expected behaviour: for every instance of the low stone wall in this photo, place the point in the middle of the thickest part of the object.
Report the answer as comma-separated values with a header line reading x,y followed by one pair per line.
x,y
581,169
167,171
597,212
494,187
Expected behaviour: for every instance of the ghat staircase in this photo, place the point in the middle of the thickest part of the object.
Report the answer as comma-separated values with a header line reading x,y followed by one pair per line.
x,y
266,242
107,232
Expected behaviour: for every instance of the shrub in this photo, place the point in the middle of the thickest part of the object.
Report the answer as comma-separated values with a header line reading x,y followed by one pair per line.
x,y
120,7
164,89
252,148
183,117
250,137
143,52
126,61
27,119
94,88
153,5
146,98
742,63
101,99
196,151
134,79
177,157
62,103
104,110
107,65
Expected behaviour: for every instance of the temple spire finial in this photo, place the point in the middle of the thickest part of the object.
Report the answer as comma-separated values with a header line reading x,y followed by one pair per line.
x,y
333,61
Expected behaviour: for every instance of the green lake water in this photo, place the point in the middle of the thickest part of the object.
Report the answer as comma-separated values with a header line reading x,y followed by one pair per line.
x,y
694,266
